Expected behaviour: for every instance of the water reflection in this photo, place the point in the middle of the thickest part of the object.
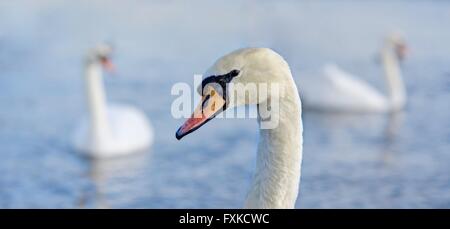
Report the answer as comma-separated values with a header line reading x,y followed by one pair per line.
x,y
347,129
111,176
394,123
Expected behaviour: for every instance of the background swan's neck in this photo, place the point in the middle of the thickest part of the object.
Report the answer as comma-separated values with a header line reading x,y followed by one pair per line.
x,y
394,81
277,177
95,94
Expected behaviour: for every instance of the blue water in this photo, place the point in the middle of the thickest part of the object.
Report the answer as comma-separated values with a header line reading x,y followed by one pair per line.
x,y
350,161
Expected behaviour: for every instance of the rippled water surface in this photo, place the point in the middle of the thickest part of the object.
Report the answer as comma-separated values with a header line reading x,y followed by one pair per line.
x,y
350,161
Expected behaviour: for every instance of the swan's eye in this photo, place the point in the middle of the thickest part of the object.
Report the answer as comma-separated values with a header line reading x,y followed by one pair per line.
x,y
229,76
234,73
102,58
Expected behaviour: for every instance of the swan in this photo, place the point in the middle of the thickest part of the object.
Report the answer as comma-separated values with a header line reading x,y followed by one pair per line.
x,y
279,154
108,130
337,90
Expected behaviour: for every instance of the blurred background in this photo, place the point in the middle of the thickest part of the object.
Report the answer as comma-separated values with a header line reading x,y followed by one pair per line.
x,y
350,161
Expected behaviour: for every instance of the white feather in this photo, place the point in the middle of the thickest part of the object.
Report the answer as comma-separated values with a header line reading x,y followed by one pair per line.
x,y
279,155
333,89
109,130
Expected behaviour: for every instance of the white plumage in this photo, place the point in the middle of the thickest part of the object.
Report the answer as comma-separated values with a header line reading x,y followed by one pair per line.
x,y
333,89
279,154
108,130
337,90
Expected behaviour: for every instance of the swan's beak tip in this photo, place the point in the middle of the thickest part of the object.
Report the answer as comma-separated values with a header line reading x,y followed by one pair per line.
x,y
178,134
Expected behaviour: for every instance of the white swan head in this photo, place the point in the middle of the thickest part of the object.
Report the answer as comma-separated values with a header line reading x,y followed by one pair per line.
x,y
249,68
101,55
396,42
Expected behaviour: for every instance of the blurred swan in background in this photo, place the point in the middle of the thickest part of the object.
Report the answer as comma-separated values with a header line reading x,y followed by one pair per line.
x,y
337,90
109,129
277,177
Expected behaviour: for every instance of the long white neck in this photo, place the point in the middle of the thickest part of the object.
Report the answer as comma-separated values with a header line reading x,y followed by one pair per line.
x,y
394,81
95,94
277,177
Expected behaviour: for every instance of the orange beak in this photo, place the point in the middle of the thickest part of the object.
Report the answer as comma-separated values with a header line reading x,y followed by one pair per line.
x,y
210,105
402,51
108,65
